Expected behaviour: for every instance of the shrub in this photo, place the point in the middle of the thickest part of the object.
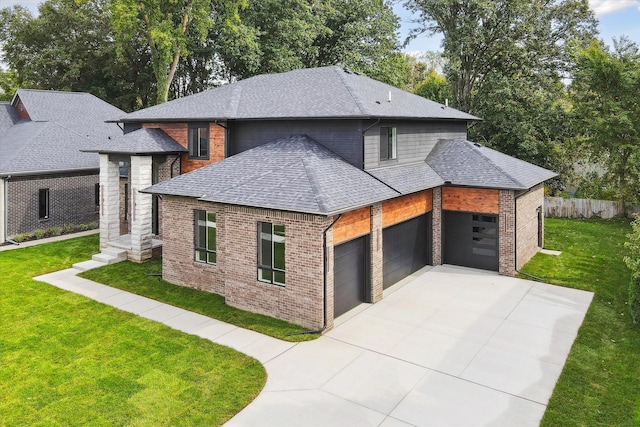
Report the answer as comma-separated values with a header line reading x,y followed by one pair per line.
x,y
54,231
39,233
93,225
68,228
22,237
84,227
633,262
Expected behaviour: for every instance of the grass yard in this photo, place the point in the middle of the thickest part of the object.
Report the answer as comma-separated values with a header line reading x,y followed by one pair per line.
x,y
67,360
600,383
139,279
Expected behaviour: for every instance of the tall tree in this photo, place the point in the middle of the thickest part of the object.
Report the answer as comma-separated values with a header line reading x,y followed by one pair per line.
x,y
290,34
485,37
606,103
69,46
166,27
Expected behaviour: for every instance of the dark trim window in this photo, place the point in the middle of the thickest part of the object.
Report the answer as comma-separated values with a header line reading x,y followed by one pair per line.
x,y
199,141
388,143
205,236
43,203
271,253
96,196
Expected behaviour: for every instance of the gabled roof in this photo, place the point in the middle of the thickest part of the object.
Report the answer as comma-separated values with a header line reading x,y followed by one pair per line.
x,y
408,178
141,141
293,174
60,124
460,162
43,147
81,112
327,92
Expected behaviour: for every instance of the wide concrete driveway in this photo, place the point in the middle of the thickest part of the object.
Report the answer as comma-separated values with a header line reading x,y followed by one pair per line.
x,y
451,347
446,347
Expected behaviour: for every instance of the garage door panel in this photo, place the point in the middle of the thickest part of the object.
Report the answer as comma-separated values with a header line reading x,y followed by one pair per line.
x,y
471,240
406,248
350,274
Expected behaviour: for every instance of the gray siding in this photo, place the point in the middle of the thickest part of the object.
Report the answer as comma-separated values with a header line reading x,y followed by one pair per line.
x,y
415,140
343,137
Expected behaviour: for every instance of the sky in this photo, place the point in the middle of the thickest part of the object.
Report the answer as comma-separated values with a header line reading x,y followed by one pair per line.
x,y
616,18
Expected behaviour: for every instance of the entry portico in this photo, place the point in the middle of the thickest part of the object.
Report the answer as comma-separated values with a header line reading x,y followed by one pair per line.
x,y
148,155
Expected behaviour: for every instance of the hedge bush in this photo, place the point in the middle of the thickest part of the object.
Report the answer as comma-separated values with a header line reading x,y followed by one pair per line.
x,y
633,262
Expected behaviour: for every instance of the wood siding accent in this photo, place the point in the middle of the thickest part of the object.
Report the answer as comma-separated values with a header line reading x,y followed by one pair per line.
x,y
351,225
470,200
403,208
179,132
414,139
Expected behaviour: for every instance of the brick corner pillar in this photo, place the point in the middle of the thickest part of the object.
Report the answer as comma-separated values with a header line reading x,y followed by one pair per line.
x,y
109,200
141,232
328,271
376,253
507,233
436,226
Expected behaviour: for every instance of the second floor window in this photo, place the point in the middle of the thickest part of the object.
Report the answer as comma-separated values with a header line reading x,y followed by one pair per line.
x,y
198,140
388,143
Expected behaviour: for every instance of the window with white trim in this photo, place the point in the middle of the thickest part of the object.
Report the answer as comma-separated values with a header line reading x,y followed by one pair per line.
x,y
205,236
271,253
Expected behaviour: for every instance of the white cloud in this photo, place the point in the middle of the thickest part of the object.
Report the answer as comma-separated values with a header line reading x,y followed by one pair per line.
x,y
603,7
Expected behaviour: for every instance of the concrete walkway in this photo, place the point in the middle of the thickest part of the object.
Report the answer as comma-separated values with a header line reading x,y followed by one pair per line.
x,y
448,347
48,240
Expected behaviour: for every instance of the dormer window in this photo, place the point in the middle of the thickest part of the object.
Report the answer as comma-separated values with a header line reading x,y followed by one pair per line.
x,y
199,141
388,143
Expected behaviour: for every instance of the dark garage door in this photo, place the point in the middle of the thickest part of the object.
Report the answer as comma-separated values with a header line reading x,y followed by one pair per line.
x,y
406,248
471,240
350,274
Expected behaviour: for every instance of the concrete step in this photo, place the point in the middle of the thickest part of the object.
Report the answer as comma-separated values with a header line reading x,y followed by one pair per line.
x,y
110,255
88,265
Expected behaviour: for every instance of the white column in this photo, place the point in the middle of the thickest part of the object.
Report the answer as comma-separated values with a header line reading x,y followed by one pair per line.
x,y
109,200
141,208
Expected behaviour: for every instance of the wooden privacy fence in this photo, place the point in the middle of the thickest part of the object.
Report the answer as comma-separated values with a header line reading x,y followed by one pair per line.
x,y
558,207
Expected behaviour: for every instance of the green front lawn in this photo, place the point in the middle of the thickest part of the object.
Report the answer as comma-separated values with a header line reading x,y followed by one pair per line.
x,y
68,360
600,383
143,279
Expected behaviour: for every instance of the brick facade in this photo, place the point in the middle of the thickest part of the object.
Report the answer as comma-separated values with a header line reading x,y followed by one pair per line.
x,y
506,231
436,224
179,132
527,206
300,301
71,201
376,253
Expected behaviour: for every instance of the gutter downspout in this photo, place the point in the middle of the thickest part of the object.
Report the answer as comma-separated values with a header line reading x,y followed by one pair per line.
x,y
324,280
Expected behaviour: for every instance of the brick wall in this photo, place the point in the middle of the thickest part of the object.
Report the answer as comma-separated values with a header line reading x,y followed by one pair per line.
x,y
527,224
377,259
179,132
235,275
436,224
506,230
470,199
71,201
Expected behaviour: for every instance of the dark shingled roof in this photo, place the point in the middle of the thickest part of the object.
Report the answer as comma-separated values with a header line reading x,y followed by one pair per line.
x,y
466,163
293,174
61,123
327,92
409,178
141,141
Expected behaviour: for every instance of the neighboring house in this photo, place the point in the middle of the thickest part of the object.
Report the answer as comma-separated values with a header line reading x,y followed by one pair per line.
x,y
45,181
312,191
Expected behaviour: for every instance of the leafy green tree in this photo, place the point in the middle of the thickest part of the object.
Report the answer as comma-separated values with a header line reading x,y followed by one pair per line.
x,y
506,37
166,26
69,46
8,85
291,34
435,87
604,93
633,262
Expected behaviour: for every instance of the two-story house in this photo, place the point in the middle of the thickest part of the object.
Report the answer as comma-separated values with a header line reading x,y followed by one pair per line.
x,y
302,194
45,181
